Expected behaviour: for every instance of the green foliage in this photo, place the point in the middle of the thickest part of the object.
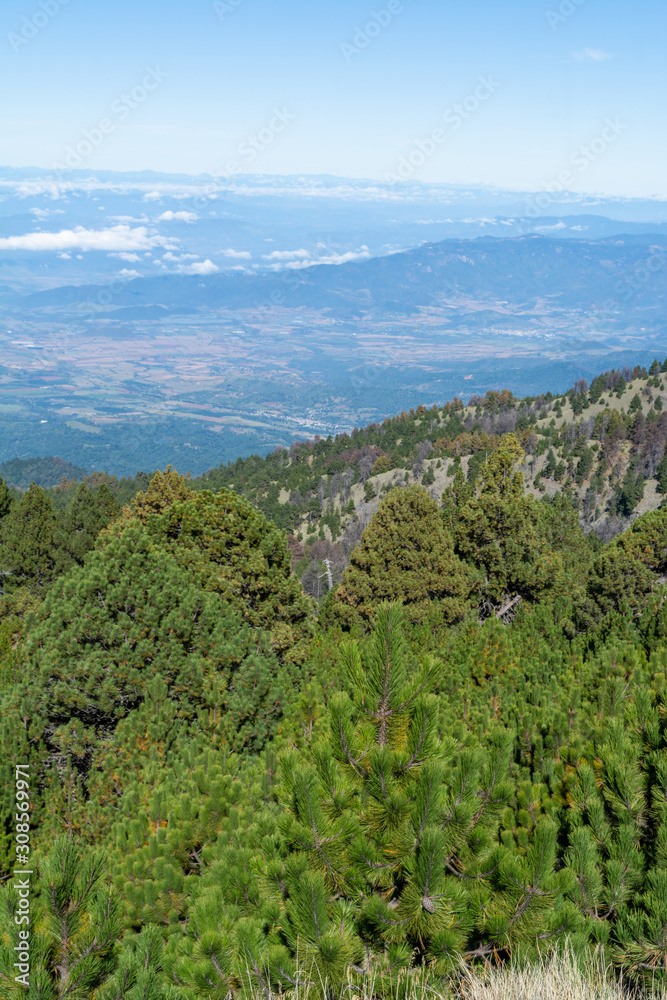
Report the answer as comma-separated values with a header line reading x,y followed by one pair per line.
x,y
628,493
29,555
405,554
86,514
455,497
505,534
6,499
618,579
232,550
74,924
151,622
280,807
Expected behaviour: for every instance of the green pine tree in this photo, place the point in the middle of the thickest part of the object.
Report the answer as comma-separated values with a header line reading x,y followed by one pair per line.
x,y
455,497
405,554
501,533
28,549
74,925
6,499
81,524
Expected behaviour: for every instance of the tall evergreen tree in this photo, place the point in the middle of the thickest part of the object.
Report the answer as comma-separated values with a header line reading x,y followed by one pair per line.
x,y
456,496
106,503
6,499
28,550
405,554
231,549
501,533
109,628
164,489
81,524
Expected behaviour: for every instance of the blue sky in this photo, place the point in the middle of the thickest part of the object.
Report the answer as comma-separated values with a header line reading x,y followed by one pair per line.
x,y
342,87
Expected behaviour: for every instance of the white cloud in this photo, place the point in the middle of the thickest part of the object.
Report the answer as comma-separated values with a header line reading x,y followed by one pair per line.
x,y
236,254
44,213
178,217
201,267
343,258
127,272
177,257
65,256
287,255
128,218
595,55
131,257
117,238
245,186
334,258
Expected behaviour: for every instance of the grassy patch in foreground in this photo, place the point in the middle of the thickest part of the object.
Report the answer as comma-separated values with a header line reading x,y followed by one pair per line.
x,y
560,977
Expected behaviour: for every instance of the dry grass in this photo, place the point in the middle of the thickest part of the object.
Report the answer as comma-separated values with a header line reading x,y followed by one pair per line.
x,y
557,979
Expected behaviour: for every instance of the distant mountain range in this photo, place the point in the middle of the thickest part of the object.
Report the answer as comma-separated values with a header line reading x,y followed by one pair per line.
x,y
85,227
151,318
487,280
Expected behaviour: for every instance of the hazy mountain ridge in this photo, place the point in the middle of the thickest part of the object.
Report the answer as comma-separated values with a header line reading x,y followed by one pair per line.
x,y
517,271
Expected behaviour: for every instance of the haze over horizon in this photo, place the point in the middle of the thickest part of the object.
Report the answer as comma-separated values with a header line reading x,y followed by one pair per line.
x,y
174,177
524,96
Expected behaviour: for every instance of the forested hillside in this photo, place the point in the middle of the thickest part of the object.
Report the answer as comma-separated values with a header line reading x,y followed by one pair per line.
x,y
602,446
377,708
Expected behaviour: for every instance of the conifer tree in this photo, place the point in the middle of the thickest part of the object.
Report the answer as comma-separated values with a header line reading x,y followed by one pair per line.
x,y
138,975
74,925
405,554
106,503
400,822
501,533
618,831
28,552
6,499
455,497
81,524
106,630
164,489
617,579
231,549
646,540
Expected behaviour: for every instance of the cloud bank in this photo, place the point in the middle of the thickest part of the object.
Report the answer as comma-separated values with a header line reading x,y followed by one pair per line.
x,y
177,217
116,239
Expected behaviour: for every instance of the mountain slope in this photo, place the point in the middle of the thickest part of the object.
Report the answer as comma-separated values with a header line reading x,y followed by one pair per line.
x,y
527,273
